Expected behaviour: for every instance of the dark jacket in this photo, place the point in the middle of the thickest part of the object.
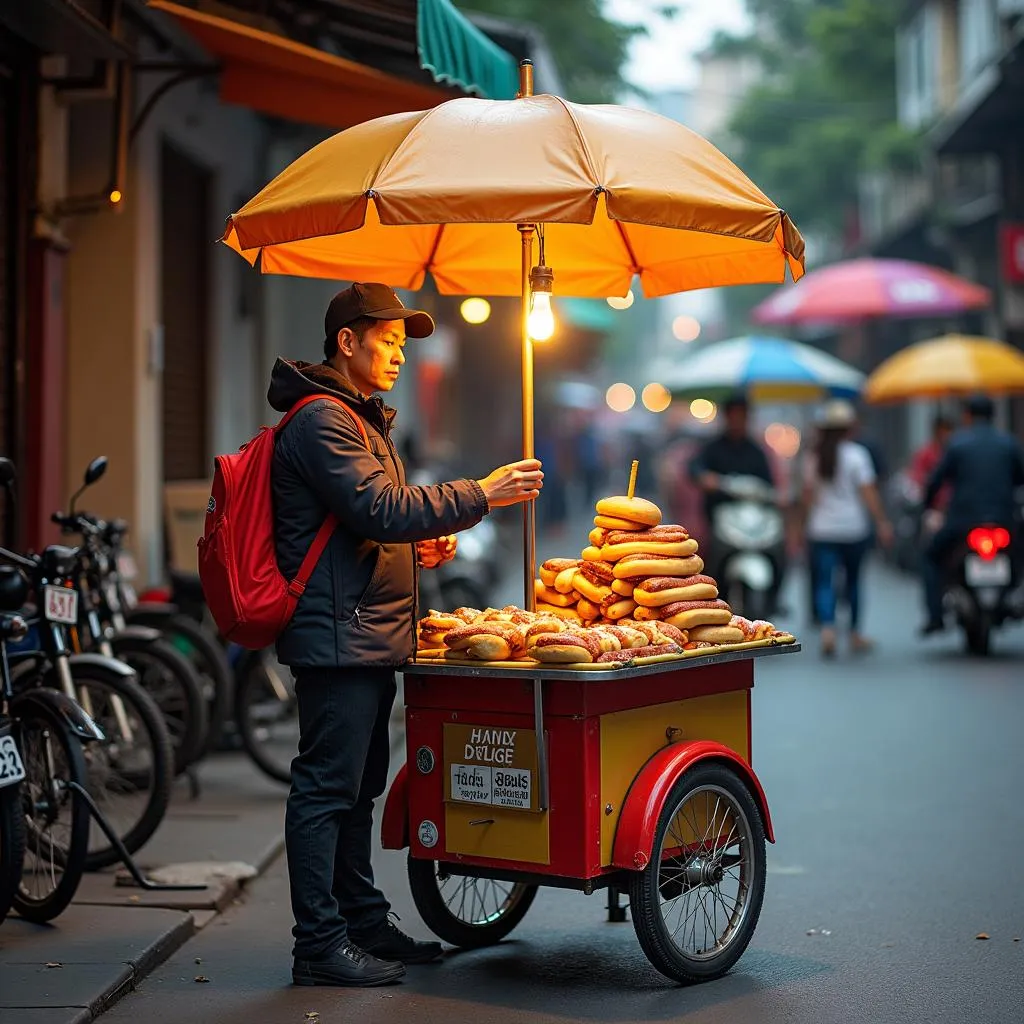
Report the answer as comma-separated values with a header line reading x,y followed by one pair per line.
x,y
359,605
729,457
983,466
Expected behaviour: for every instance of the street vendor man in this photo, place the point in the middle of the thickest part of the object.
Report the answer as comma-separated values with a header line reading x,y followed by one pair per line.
x,y
355,623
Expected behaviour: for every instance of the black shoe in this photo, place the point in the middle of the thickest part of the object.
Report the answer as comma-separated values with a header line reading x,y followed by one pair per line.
x,y
931,628
348,966
389,942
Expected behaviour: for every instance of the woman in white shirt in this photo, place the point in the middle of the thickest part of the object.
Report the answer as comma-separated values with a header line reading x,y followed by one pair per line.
x,y
840,500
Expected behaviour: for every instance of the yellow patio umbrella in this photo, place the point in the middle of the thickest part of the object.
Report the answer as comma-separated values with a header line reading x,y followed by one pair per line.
x,y
955,364
461,191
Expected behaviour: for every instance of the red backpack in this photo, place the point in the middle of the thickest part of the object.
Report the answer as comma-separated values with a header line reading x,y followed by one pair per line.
x,y
250,600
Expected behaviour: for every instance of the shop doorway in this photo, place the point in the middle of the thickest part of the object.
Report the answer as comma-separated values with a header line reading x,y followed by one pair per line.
x,y
184,283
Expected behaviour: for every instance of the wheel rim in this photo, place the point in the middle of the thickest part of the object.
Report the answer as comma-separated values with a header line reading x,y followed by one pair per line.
x,y
47,802
158,680
706,864
478,902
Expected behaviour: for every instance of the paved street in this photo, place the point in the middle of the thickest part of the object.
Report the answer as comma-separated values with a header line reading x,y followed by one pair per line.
x,y
894,788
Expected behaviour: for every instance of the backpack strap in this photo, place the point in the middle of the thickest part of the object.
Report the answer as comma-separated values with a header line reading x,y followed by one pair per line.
x,y
297,586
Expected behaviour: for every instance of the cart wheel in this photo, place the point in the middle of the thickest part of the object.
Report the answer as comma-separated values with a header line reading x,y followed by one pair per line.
x,y
696,904
467,912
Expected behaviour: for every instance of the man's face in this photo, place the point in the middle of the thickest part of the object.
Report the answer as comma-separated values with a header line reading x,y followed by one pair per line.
x,y
736,421
374,361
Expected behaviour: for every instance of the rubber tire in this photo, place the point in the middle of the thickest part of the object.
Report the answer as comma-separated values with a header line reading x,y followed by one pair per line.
x,y
244,678
190,743
12,845
147,712
74,862
207,657
427,897
978,635
643,885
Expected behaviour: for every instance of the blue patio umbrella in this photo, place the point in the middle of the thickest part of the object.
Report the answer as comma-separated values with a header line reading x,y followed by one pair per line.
x,y
766,368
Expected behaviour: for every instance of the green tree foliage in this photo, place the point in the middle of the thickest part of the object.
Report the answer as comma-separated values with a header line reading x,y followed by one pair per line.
x,y
826,109
589,49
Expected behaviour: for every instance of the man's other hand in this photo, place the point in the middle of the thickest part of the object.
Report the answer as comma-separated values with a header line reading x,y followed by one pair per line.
x,y
516,482
432,553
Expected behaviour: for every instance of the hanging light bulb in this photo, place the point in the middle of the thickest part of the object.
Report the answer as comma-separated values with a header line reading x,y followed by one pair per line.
x,y
541,320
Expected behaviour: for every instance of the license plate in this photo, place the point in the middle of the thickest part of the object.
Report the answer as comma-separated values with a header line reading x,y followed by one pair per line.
x,y
60,604
11,768
992,573
126,567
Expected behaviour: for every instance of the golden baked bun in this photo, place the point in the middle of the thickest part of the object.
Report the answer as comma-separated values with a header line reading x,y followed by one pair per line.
x,y
613,523
633,510
717,634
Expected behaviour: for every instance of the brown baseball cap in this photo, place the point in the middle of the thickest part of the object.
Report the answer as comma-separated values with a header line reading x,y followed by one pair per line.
x,y
377,301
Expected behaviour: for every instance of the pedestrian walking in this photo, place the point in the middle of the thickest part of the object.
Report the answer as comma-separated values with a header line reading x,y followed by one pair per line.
x,y
355,621
841,503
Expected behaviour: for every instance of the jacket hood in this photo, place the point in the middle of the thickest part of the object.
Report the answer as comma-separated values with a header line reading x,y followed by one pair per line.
x,y
292,380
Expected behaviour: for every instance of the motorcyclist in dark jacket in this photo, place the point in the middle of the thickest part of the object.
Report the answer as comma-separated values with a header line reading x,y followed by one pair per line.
x,y
983,467
355,622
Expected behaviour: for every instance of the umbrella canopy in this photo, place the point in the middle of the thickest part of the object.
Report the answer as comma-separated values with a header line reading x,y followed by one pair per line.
x,y
861,289
765,368
953,365
621,192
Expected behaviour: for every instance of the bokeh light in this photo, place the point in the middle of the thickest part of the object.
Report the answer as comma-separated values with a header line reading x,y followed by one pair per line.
x,y
704,410
475,311
686,328
656,397
620,397
115,196
621,303
783,439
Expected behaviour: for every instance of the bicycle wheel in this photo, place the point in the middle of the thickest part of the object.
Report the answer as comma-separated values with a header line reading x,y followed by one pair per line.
x,y
12,845
267,714
172,682
131,770
208,659
56,817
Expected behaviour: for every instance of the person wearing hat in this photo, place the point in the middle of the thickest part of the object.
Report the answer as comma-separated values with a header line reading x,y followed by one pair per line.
x,y
982,467
355,621
840,500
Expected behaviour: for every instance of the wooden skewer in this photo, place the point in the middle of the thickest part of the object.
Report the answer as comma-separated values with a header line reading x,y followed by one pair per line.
x,y
632,478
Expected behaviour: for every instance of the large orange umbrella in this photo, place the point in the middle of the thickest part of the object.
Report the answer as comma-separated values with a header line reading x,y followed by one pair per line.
x,y
460,191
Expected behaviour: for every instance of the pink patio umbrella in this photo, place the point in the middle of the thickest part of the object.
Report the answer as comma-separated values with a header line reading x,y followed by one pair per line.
x,y
866,288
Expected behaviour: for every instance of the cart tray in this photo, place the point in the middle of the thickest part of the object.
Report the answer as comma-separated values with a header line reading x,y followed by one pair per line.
x,y
597,673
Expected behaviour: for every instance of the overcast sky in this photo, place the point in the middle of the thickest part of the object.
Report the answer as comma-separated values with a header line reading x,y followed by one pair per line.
x,y
664,58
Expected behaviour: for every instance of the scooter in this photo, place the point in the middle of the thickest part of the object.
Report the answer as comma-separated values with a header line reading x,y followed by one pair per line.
x,y
983,587
748,534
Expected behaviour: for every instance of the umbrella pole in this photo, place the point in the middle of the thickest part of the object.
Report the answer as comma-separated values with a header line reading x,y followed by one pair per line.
x,y
526,231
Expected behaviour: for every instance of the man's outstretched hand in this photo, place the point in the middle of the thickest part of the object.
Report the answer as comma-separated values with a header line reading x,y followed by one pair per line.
x,y
432,553
511,484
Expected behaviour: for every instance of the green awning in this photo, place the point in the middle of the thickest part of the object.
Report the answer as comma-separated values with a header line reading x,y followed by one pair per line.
x,y
587,314
457,53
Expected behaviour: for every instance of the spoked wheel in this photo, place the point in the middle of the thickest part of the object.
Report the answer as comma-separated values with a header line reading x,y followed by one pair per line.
x,y
131,770
170,679
696,904
467,912
12,844
267,714
56,817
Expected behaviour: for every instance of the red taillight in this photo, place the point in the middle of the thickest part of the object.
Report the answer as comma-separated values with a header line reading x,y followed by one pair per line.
x,y
988,541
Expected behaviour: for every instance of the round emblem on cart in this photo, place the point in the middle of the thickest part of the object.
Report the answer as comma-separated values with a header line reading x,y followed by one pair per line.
x,y
428,834
425,760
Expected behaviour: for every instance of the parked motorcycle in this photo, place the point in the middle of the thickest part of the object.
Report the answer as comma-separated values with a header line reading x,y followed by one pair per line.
x,y
748,538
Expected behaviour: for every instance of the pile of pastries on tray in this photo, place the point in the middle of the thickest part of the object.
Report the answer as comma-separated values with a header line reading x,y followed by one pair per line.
x,y
637,591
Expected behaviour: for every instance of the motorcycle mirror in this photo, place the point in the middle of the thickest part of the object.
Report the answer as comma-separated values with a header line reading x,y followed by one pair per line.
x,y
95,470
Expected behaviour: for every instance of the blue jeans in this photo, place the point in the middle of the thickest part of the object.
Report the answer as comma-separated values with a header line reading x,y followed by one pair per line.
x,y
341,768
826,558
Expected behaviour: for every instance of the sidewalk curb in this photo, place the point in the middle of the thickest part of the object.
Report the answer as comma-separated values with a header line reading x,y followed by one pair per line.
x,y
173,939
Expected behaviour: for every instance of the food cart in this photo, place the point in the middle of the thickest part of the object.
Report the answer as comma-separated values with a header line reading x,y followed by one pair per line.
x,y
635,779
631,776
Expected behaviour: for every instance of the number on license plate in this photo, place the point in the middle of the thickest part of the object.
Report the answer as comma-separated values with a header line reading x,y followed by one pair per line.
x,y
992,573
60,604
11,768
